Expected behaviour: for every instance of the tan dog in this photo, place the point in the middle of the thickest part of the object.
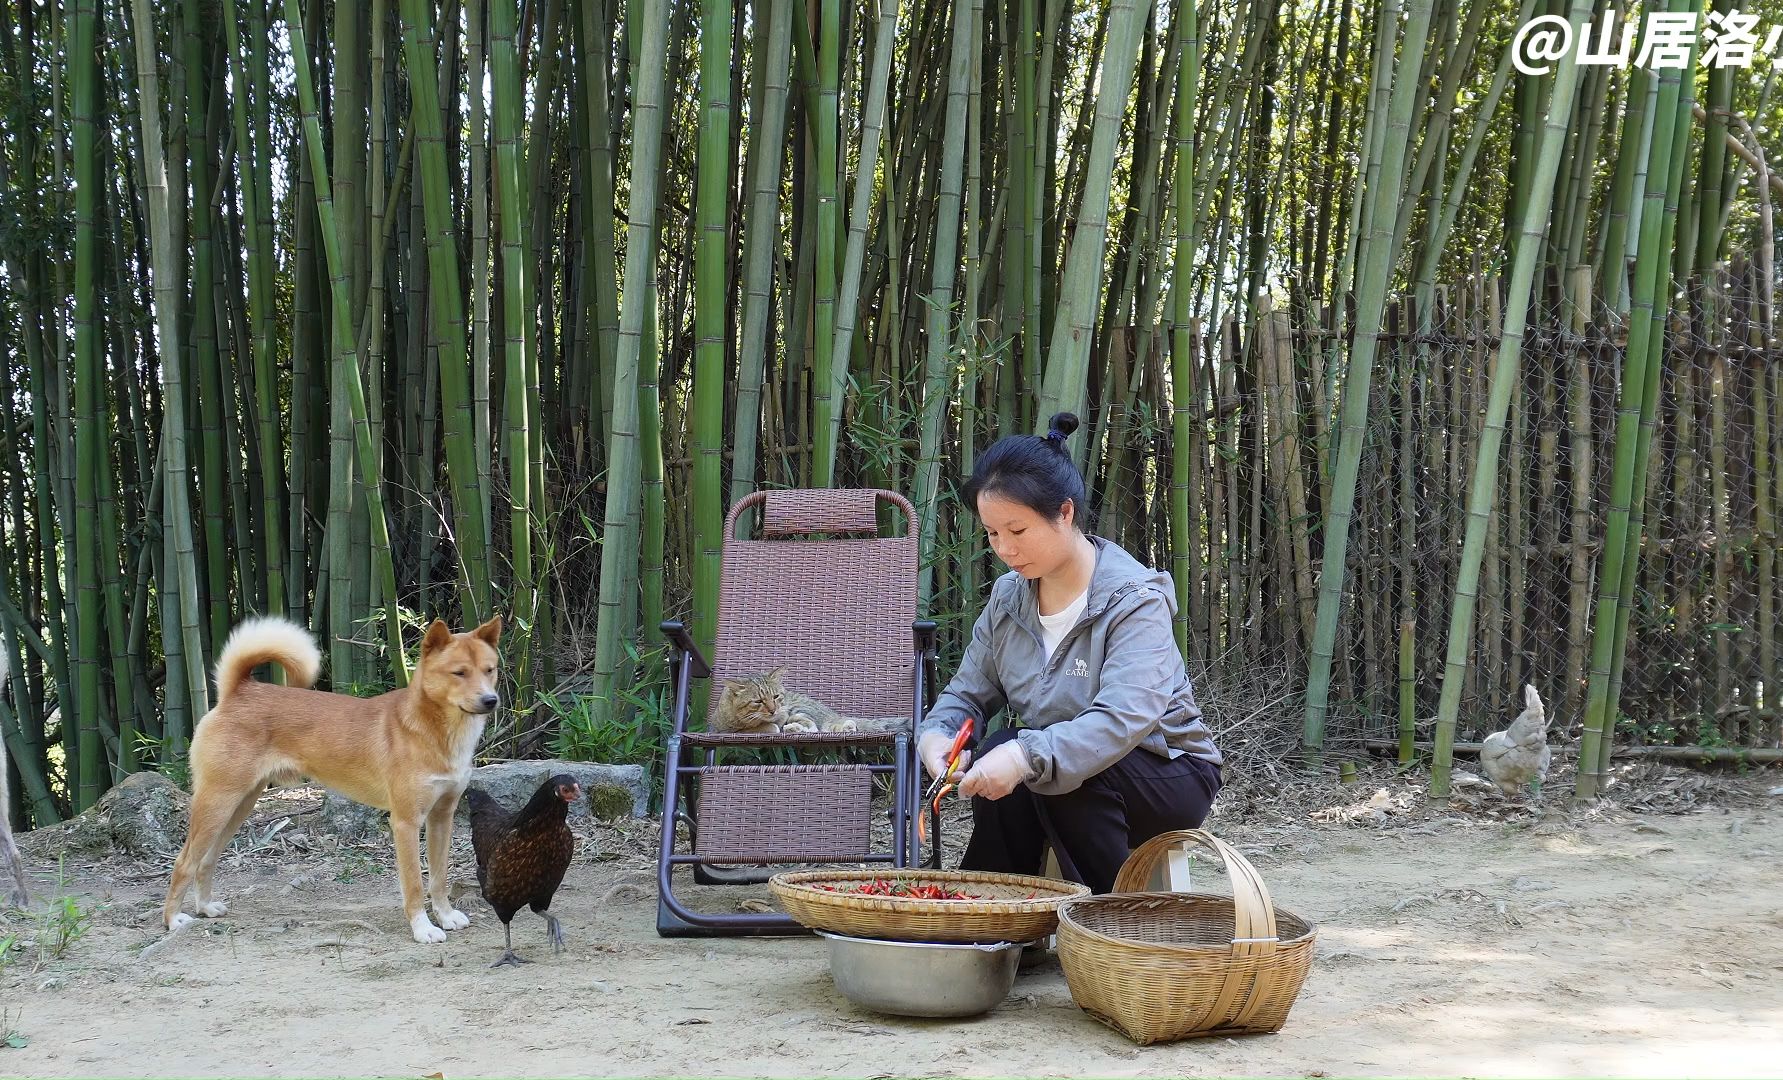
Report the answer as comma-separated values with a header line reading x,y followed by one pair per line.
x,y
408,752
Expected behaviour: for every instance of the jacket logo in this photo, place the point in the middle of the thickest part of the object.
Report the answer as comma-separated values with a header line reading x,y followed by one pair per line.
x,y
1079,669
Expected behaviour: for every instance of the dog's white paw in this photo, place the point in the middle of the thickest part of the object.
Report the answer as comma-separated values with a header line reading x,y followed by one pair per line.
x,y
451,918
425,932
180,922
213,909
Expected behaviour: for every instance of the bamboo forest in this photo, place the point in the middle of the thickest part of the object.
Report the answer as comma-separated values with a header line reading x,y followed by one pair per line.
x,y
1425,378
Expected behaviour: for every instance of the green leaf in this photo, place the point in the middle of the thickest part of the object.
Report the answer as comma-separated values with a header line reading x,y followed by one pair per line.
x,y
16,1040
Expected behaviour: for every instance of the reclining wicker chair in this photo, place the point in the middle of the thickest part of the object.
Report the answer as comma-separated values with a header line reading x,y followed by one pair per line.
x,y
823,595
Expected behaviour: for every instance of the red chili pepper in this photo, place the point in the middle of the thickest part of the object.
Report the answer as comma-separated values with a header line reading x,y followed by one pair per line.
x,y
909,890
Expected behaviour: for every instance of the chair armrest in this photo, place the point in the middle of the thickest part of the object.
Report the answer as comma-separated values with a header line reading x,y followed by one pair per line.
x,y
923,631
676,634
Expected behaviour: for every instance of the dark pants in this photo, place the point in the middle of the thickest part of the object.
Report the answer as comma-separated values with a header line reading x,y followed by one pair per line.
x,y
1094,828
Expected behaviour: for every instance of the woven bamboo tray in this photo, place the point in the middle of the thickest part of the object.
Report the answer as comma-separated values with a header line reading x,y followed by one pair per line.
x,y
1165,966
1019,907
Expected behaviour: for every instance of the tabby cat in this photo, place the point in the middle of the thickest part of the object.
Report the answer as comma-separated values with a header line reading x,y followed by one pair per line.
x,y
761,704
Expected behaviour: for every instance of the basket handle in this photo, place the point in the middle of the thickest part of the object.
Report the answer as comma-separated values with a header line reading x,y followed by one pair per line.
x,y
1253,912
1253,930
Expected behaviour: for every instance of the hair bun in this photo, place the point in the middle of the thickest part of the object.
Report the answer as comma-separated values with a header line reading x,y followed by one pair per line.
x,y
1060,428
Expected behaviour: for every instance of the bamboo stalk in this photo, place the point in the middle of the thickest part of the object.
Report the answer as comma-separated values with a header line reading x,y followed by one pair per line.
x,y
938,326
346,536
541,349
482,438
1376,257
1067,367
369,252
1272,471
446,306
872,132
306,345
1411,584
1256,558
1764,521
182,614
1432,551
603,255
1294,480
1490,671
1218,525
1684,506
369,454
254,190
1532,221
824,124
211,489
619,549
1236,590
710,308
87,750
1775,732
518,356
1639,389
1187,433
760,236
1545,527
1408,695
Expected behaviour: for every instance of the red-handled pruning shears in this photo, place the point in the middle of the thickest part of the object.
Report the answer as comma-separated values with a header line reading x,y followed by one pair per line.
x,y
941,785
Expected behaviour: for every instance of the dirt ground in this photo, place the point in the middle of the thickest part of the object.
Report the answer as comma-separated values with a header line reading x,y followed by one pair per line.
x,y
1476,938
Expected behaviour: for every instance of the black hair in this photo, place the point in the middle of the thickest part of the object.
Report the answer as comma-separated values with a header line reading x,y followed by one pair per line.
x,y
1033,470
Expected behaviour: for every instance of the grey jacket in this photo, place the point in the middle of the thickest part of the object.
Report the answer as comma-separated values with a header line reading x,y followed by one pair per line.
x,y
1116,682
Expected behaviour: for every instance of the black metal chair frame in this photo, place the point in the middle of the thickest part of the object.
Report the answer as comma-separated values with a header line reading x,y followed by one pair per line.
x,y
685,759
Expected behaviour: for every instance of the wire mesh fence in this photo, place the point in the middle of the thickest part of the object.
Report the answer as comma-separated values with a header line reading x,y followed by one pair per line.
x,y
1702,637
1265,402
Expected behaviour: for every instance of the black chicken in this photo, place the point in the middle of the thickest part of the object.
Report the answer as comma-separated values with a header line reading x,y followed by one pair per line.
x,y
521,858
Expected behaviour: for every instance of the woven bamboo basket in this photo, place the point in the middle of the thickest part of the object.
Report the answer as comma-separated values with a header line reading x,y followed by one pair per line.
x,y
1017,907
1162,966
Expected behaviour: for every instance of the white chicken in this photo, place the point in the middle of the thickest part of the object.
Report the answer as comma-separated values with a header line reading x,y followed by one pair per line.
x,y
1519,755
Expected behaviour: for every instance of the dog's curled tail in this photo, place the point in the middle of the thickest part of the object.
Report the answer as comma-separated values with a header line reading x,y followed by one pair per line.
x,y
267,639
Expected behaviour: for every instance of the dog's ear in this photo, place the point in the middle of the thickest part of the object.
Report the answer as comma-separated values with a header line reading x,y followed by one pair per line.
x,y
438,636
489,632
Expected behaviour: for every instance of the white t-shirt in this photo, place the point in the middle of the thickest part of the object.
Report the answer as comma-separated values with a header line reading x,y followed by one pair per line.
x,y
1054,627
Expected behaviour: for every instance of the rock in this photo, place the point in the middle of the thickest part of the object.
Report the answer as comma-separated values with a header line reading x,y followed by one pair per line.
x,y
350,820
608,791
144,815
610,802
148,814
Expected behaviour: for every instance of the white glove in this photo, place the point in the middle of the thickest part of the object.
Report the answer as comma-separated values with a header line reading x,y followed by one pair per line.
x,y
999,773
932,749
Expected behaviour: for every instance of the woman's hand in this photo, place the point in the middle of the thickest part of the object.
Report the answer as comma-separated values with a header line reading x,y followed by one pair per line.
x,y
932,749
998,772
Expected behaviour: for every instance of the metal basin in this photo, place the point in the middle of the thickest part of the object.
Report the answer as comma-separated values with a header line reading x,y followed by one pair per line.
x,y
917,978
